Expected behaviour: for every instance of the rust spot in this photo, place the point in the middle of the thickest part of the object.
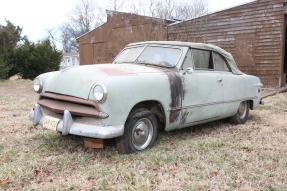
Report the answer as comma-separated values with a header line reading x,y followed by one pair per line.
x,y
184,117
116,72
176,93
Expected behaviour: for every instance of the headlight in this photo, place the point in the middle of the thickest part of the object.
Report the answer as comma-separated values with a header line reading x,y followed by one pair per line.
x,y
37,85
100,93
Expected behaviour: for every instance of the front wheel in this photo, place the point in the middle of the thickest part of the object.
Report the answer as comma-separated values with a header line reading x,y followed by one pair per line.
x,y
140,133
242,114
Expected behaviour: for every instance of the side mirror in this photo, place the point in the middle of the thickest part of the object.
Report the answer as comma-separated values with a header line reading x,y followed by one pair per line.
x,y
188,71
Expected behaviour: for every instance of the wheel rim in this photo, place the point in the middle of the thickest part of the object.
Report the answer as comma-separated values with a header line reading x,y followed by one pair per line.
x,y
242,110
142,134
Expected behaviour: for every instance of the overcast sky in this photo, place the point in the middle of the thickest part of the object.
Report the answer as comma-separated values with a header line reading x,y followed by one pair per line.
x,y
37,16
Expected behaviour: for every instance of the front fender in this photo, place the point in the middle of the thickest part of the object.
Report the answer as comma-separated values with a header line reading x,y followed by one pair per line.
x,y
126,92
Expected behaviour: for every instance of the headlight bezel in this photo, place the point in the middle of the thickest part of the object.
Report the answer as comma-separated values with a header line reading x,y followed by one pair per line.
x,y
40,84
104,93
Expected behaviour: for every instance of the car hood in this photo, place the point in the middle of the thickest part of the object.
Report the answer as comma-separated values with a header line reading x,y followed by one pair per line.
x,y
78,81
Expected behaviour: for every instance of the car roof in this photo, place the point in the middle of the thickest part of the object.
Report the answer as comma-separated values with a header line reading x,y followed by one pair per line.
x,y
187,44
203,46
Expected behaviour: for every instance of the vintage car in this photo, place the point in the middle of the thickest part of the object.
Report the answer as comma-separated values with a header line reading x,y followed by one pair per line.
x,y
149,86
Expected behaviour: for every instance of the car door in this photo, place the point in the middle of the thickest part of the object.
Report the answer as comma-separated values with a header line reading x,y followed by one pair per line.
x,y
204,97
234,89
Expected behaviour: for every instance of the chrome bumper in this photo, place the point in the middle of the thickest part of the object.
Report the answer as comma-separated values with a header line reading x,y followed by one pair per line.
x,y
68,126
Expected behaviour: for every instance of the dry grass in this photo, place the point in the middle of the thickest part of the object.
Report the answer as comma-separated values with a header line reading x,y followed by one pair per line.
x,y
215,156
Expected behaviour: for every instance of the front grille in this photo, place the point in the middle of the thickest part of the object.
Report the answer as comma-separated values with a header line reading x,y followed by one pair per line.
x,y
79,107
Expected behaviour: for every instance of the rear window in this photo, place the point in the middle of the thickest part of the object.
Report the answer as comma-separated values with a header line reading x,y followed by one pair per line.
x,y
219,63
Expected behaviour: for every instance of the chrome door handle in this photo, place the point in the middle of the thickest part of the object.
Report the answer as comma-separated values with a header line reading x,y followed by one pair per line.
x,y
220,80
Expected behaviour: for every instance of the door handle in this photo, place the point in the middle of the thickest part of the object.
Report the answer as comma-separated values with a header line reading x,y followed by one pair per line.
x,y
220,80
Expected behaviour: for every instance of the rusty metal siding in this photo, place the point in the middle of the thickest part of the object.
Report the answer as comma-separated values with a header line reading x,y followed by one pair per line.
x,y
253,33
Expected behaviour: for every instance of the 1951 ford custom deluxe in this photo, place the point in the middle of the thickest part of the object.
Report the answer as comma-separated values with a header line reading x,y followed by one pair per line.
x,y
150,85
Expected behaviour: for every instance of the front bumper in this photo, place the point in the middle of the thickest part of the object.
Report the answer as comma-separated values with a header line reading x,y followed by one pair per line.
x,y
67,126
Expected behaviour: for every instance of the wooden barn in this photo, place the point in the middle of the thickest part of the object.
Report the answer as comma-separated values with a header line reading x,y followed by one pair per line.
x,y
255,33
102,44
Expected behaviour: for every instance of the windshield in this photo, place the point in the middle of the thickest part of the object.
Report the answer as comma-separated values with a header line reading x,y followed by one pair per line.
x,y
129,54
152,55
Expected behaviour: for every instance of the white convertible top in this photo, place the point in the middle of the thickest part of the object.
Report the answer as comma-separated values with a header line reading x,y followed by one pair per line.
x,y
210,47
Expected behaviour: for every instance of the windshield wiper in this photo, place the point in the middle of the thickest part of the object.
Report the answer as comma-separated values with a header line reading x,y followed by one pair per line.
x,y
152,64
142,62
129,62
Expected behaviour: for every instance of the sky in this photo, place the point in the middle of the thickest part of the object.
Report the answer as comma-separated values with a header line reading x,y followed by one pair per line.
x,y
36,17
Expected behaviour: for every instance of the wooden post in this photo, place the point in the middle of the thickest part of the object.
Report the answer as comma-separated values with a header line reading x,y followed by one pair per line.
x,y
93,143
281,90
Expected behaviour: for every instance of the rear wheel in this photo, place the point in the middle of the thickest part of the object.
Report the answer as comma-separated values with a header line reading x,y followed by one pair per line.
x,y
242,114
140,133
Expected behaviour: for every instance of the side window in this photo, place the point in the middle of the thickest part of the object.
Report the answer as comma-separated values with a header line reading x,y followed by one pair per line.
x,y
219,63
187,61
202,59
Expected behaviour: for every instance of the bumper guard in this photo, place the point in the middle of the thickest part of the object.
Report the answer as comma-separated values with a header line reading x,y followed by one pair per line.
x,y
68,126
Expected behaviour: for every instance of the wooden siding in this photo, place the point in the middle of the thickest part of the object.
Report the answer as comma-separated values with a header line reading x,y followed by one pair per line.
x,y
104,43
254,33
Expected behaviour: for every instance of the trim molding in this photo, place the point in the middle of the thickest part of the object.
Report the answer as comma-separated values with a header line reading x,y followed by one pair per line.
x,y
202,121
212,103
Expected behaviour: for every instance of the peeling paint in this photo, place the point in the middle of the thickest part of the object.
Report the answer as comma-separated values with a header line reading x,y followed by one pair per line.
x,y
184,117
176,93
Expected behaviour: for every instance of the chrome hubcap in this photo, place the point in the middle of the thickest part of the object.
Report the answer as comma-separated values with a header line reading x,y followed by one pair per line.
x,y
242,110
142,134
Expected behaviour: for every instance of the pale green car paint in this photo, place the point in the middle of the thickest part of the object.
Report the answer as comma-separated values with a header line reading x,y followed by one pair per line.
x,y
208,95
130,86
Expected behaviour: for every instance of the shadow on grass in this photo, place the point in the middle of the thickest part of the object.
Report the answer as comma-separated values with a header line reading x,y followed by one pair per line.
x,y
198,130
52,142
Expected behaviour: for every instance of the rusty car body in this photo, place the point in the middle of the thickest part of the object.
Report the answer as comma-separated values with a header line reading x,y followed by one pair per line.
x,y
150,85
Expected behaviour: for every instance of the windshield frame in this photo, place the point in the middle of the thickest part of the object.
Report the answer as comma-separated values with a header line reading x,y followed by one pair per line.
x,y
154,45
129,47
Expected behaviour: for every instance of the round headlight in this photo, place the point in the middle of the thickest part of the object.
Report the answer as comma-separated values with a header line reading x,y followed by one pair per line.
x,y
100,93
37,85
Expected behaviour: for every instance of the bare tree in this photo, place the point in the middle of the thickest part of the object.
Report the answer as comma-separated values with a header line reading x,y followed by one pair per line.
x,y
138,7
163,9
84,18
68,38
52,36
172,9
191,9
116,4
87,15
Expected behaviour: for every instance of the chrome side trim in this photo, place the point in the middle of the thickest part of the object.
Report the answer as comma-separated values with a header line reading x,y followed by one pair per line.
x,y
202,121
208,104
